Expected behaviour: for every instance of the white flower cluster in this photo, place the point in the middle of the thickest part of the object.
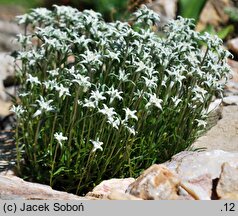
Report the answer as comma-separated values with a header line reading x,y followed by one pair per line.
x,y
117,75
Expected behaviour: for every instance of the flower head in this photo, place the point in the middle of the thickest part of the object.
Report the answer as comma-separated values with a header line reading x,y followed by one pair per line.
x,y
18,110
96,145
130,114
109,112
44,106
154,101
59,137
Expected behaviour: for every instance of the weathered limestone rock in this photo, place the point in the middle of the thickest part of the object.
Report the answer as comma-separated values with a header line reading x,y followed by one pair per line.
x,y
157,183
231,100
233,45
231,87
227,187
213,14
8,32
105,188
12,187
224,135
116,195
192,165
166,8
199,188
197,170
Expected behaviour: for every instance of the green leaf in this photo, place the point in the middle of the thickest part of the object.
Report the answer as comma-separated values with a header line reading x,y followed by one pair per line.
x,y
191,8
224,32
61,169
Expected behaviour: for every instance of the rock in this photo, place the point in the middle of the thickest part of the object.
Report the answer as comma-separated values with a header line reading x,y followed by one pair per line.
x,y
227,187
213,14
8,12
234,69
231,100
224,135
105,188
197,171
231,87
190,166
232,45
199,188
116,195
214,113
12,187
155,183
166,8
6,69
4,108
8,32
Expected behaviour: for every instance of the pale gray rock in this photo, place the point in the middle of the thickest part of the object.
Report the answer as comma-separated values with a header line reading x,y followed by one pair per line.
x,y
193,165
224,135
8,32
12,187
227,187
155,183
233,45
231,100
198,170
105,188
167,9
213,14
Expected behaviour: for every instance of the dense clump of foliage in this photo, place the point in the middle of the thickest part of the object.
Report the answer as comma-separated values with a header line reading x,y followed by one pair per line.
x,y
101,100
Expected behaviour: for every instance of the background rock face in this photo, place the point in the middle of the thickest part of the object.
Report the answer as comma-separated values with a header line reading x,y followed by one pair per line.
x,y
166,8
224,135
213,13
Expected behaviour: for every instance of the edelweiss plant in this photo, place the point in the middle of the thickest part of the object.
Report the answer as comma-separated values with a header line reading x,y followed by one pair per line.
x,y
101,100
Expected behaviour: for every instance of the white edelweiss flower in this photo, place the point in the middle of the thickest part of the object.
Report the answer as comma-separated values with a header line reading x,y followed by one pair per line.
x,y
97,96
114,93
109,112
130,114
50,84
198,89
201,123
154,101
59,137
54,72
82,81
176,100
24,94
141,66
123,76
90,57
114,122
82,40
151,72
131,130
63,91
113,55
44,106
96,145
33,80
18,110
52,42
71,70
89,103
150,82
